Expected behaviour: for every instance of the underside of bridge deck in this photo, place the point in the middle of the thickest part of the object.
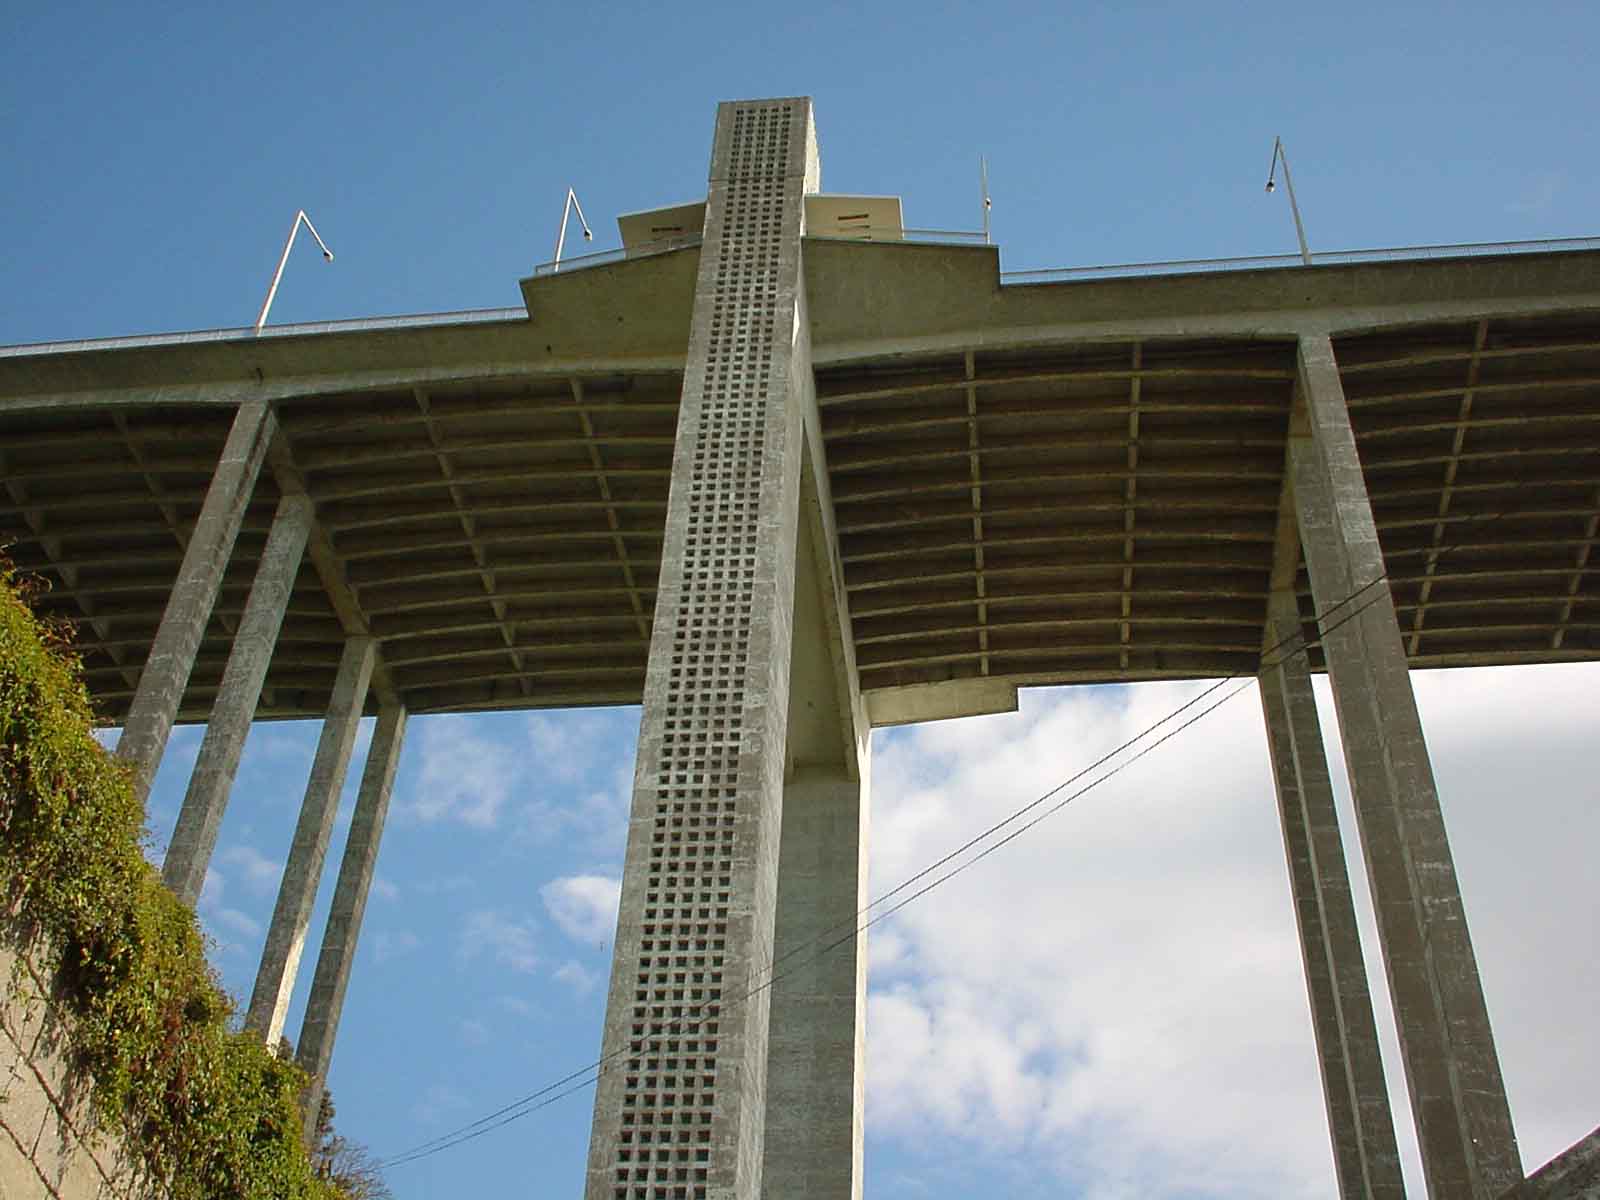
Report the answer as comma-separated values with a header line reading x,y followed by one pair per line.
x,y
1060,503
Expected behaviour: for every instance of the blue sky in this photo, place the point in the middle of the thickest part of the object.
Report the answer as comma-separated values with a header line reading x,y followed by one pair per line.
x,y
152,161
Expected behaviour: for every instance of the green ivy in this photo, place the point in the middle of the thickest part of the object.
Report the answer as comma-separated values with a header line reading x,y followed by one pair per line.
x,y
207,1111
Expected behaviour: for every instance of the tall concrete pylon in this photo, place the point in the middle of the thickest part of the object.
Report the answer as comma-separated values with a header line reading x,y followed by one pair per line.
x,y
734,836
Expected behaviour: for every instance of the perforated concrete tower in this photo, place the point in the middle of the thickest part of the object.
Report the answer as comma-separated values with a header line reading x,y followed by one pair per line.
x,y
682,1110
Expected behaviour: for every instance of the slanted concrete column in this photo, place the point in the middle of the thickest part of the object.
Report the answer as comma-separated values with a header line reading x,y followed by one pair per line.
x,y
286,938
1457,1094
1360,1124
680,1109
321,1025
183,624
195,836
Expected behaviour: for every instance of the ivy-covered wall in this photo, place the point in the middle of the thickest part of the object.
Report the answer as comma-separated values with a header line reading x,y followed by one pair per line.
x,y
114,1020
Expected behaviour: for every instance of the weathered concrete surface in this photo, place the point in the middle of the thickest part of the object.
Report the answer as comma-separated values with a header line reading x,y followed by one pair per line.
x,y
940,701
1360,1123
1574,1174
682,1104
874,298
816,1052
286,937
195,835
314,1051
51,1145
171,658
1469,1148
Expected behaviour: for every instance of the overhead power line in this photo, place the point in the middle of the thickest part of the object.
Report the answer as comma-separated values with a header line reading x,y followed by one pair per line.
x,y
583,1077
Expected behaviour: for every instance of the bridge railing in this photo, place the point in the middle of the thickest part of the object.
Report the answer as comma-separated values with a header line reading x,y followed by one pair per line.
x,y
468,316
600,258
857,233
1260,262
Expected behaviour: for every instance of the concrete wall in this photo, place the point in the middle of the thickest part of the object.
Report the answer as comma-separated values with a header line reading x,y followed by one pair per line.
x,y
50,1144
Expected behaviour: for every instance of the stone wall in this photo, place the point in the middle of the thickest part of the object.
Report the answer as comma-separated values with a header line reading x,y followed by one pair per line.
x,y
50,1144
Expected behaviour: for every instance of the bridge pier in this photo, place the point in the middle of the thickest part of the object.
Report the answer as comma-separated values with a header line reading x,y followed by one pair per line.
x,y
314,1052
286,937
195,836
1458,1097
1360,1123
166,668
741,703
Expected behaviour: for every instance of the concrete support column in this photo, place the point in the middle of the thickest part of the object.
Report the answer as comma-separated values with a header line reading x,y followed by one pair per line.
x,y
1360,1124
321,1025
183,624
816,1053
1469,1148
195,836
680,1109
286,938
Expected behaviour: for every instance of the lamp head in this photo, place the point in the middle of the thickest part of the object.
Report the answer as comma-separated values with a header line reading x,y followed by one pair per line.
x,y
1271,186
328,255
587,236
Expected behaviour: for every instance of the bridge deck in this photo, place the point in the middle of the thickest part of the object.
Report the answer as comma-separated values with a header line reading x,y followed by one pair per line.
x,y
1039,484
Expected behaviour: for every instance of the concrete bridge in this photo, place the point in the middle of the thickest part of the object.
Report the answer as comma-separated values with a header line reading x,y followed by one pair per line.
x,y
782,484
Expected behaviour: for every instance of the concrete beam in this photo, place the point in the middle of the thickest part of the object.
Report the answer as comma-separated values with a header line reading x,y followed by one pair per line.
x,y
913,702
1469,1148
314,1052
166,670
329,566
286,938
1574,1174
195,836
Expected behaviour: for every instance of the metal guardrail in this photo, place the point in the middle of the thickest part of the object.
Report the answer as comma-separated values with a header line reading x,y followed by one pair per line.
x,y
600,258
1055,275
1262,262
860,233
469,316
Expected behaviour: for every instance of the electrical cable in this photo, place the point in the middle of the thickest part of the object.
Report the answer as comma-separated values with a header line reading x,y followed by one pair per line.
x,y
583,1077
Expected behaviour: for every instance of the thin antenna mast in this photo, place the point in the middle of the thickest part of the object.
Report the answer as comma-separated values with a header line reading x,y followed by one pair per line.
x,y
561,234
272,288
983,171
1299,229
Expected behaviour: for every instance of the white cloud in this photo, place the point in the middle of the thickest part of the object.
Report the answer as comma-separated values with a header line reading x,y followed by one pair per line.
x,y
566,744
508,941
437,1103
576,976
211,889
239,922
517,1005
261,874
1119,991
463,776
584,906
226,924
393,944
